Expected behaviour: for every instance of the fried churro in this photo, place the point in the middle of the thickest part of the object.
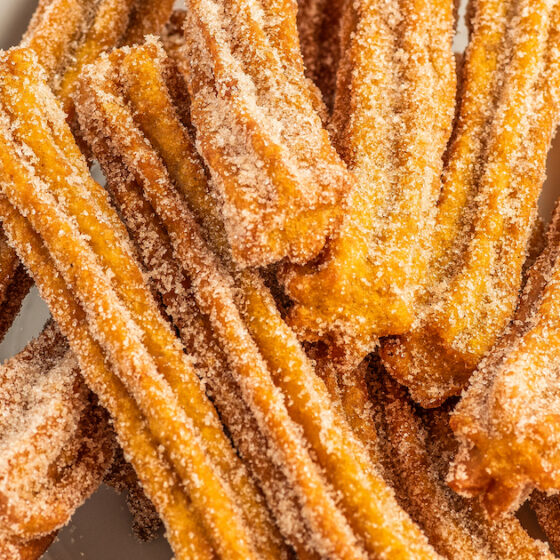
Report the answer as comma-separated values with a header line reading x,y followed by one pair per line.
x,y
507,418
56,444
486,211
281,182
392,120
420,446
68,34
156,384
117,102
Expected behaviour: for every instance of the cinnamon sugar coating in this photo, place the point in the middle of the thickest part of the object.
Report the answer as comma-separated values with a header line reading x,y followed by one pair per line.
x,y
506,419
492,179
392,120
56,444
276,381
258,129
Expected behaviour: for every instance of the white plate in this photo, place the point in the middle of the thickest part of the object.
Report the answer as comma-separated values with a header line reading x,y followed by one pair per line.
x,y
100,530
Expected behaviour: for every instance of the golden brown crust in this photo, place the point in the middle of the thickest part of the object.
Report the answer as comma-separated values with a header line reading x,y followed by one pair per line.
x,y
391,122
493,176
122,323
281,181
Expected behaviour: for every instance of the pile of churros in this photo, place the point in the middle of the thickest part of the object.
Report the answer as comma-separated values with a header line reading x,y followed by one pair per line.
x,y
312,312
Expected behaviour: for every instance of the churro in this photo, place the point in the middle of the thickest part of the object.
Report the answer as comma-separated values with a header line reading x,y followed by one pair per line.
x,y
68,34
507,419
420,446
56,444
547,509
117,102
280,181
392,120
89,247
486,211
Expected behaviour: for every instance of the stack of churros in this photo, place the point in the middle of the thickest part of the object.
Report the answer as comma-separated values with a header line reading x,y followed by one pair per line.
x,y
307,234
507,115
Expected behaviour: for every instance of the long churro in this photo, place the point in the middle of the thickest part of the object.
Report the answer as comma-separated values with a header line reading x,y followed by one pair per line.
x,y
59,196
281,182
493,176
392,120
55,445
275,378
507,419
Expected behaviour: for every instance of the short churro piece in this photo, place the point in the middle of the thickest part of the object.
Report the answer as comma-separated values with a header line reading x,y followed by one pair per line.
x,y
507,419
392,120
56,445
281,182
508,113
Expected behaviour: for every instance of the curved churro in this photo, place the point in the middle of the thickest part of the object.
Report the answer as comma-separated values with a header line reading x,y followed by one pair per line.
x,y
392,120
507,419
281,181
275,378
493,176
56,444
122,315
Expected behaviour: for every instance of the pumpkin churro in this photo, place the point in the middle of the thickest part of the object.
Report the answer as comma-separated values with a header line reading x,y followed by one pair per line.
x,y
392,120
506,420
281,182
507,116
